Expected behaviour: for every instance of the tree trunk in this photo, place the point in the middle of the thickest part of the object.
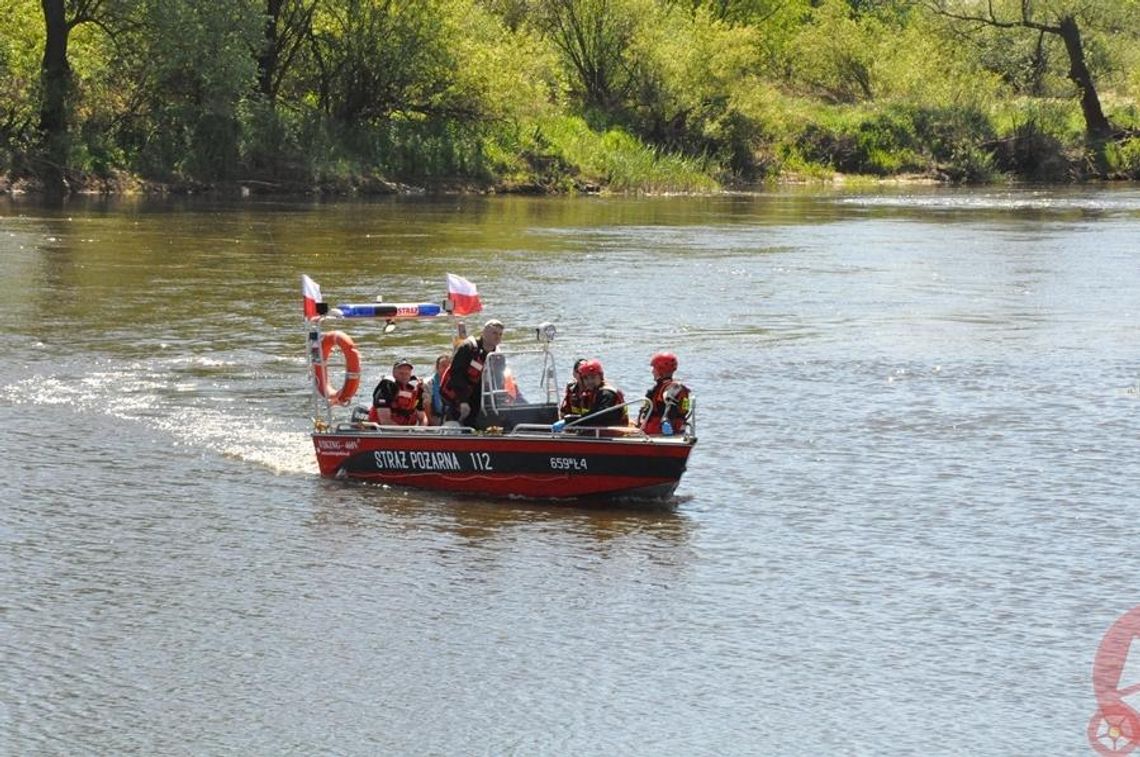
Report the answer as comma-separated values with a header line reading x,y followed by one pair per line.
x,y
267,61
55,75
1097,126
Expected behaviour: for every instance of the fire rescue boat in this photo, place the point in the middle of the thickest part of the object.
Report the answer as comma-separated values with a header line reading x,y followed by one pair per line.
x,y
516,446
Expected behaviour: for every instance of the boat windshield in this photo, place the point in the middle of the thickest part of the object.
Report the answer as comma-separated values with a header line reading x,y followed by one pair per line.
x,y
525,377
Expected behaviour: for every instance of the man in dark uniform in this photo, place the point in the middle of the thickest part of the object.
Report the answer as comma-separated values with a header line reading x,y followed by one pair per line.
x,y
462,382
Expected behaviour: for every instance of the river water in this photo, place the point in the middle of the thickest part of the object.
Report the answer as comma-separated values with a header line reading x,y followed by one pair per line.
x,y
910,518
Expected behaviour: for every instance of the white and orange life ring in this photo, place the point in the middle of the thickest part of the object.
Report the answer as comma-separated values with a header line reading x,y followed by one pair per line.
x,y
344,343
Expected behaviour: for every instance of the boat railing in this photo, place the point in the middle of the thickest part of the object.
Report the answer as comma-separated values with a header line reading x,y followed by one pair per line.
x,y
641,401
574,427
596,432
369,426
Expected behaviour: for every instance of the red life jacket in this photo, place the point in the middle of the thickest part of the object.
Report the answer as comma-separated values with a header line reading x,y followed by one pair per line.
x,y
575,401
403,404
624,419
616,414
665,404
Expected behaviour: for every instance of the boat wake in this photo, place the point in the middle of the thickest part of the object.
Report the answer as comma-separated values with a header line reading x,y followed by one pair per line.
x,y
194,416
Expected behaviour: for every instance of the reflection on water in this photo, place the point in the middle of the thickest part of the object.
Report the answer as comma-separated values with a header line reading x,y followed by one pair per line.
x,y
914,490
473,521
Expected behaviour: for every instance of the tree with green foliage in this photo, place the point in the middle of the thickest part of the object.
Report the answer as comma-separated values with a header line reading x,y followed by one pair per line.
x,y
191,66
20,69
1062,19
288,25
691,66
377,58
61,17
594,38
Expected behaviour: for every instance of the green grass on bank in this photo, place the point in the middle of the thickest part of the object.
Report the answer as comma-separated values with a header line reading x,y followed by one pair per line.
x,y
563,154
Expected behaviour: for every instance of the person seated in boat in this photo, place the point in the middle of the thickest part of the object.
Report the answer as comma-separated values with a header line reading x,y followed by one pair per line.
x,y
462,382
435,406
398,399
604,404
669,399
573,402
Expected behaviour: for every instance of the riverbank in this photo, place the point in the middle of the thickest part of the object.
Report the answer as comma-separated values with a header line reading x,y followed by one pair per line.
x,y
577,160
125,185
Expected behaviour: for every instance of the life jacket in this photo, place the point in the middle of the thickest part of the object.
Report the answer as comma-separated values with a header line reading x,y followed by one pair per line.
x,y
403,404
406,401
669,400
616,413
619,400
510,386
471,379
574,402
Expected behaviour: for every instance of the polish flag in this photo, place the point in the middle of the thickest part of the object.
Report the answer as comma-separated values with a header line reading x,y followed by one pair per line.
x,y
312,295
464,298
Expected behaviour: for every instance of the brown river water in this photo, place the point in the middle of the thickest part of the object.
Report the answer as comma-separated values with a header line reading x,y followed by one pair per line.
x,y
913,512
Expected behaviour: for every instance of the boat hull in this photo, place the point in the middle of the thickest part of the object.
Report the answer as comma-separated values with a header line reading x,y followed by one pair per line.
x,y
555,466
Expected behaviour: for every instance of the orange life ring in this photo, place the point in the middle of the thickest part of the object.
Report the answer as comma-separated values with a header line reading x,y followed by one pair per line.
x,y
344,343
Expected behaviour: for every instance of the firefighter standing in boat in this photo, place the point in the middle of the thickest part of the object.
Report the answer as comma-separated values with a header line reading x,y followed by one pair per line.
x,y
668,407
462,382
398,399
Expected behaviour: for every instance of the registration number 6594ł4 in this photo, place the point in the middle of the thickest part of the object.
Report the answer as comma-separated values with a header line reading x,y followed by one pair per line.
x,y
568,463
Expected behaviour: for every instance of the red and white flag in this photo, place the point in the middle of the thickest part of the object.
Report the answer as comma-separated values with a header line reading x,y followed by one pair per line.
x,y
463,295
311,293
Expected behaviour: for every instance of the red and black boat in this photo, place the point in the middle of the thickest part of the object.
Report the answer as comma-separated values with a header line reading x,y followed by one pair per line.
x,y
514,447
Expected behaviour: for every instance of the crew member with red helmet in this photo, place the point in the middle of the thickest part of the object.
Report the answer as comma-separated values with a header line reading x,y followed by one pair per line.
x,y
398,399
574,402
462,382
600,396
669,400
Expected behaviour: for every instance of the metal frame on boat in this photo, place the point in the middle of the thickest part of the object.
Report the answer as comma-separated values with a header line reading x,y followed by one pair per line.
x,y
514,447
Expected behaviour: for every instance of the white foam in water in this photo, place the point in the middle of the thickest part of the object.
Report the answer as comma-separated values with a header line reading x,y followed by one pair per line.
x,y
979,201
251,440
135,395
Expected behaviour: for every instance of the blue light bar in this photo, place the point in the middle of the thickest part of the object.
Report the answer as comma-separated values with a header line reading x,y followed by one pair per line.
x,y
389,311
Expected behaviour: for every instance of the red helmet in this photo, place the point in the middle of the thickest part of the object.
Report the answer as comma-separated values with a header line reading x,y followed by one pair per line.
x,y
590,368
666,362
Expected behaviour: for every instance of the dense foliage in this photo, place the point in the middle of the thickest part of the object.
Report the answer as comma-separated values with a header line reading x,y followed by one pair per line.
x,y
557,95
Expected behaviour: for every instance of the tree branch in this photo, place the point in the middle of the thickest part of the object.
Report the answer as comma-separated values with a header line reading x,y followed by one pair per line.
x,y
992,19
